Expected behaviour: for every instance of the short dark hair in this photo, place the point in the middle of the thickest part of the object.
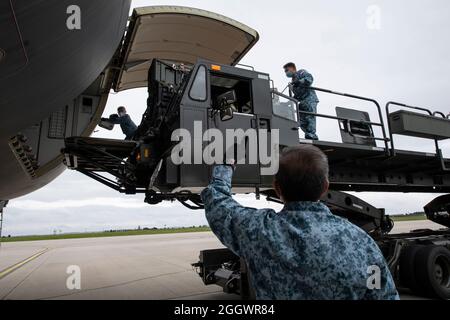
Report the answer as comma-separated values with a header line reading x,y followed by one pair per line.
x,y
290,65
303,173
121,109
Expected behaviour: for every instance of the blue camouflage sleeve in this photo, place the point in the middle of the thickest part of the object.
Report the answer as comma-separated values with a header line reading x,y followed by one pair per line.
x,y
388,289
231,222
304,78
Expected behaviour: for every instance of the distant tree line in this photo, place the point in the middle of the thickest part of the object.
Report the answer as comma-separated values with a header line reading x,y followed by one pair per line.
x,y
418,213
139,228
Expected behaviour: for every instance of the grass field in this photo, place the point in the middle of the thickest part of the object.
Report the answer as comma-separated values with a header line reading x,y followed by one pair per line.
x,y
413,217
396,218
105,234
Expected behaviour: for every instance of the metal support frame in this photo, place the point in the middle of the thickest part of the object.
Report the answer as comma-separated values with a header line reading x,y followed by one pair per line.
x,y
90,155
439,154
189,200
369,218
184,197
438,210
394,256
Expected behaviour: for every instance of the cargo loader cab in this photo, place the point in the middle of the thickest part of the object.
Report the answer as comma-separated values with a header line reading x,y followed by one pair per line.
x,y
229,98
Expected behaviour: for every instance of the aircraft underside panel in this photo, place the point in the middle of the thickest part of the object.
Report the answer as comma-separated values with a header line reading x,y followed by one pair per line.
x,y
46,62
32,158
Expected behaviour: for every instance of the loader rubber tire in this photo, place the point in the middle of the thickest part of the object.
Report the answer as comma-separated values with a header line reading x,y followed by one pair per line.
x,y
432,269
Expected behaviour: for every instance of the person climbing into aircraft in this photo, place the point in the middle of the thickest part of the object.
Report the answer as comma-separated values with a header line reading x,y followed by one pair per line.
x,y
126,124
303,251
307,98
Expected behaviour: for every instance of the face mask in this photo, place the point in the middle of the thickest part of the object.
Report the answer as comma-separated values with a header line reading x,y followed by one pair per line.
x,y
289,74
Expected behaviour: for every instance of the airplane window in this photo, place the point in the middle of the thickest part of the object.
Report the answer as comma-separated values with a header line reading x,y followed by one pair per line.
x,y
198,89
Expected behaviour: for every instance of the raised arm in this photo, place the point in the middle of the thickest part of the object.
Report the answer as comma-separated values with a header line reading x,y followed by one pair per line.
x,y
114,118
234,224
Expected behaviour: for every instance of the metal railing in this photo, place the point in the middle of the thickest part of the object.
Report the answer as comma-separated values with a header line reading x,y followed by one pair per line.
x,y
294,101
380,124
387,137
439,154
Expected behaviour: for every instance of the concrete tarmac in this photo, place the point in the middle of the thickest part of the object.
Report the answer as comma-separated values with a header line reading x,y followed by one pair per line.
x,y
132,267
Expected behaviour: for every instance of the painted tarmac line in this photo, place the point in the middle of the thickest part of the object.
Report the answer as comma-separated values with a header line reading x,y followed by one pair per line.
x,y
20,264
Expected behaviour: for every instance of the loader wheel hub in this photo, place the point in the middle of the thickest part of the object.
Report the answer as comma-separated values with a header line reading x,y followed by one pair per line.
x,y
441,271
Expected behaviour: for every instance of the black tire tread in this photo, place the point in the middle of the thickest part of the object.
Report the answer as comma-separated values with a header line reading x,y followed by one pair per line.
x,y
424,271
407,268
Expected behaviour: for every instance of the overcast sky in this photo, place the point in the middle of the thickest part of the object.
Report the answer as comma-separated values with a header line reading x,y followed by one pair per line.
x,y
403,56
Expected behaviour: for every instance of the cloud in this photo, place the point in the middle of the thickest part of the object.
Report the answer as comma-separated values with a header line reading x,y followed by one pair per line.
x,y
71,214
88,218
92,202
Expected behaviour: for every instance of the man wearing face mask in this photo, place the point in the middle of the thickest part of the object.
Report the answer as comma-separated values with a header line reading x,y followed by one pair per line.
x,y
126,124
307,98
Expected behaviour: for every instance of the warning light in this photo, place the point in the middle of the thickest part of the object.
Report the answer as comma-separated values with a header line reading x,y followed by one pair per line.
x,y
138,156
216,67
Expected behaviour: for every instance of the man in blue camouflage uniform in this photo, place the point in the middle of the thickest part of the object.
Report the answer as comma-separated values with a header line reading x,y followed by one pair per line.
x,y
126,124
304,251
307,98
